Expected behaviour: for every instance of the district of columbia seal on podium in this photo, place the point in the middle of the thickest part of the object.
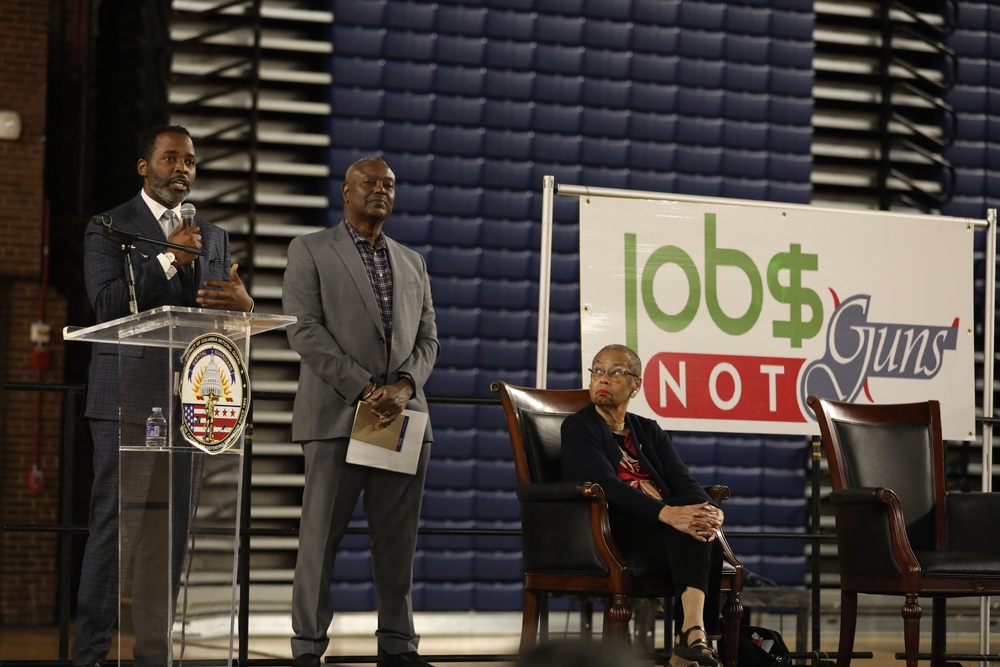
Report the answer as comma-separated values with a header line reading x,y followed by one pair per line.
x,y
214,393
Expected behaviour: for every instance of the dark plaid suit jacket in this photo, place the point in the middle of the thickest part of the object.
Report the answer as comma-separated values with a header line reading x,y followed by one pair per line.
x,y
139,383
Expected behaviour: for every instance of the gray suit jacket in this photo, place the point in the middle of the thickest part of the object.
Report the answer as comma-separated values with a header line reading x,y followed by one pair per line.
x,y
339,333
143,383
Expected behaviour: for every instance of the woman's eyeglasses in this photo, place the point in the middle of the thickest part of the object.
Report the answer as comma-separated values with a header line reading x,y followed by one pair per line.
x,y
613,373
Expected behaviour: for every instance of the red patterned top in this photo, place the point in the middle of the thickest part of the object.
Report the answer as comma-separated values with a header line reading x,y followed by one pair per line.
x,y
629,470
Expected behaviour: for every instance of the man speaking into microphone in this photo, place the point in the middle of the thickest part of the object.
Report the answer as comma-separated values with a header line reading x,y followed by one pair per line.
x,y
122,392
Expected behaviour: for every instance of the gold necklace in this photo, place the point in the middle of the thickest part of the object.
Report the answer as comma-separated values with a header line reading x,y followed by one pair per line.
x,y
617,427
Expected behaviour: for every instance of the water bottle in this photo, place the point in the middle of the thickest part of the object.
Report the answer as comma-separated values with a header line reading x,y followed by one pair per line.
x,y
156,429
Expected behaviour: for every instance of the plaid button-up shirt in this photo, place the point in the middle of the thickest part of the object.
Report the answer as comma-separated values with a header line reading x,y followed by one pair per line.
x,y
376,261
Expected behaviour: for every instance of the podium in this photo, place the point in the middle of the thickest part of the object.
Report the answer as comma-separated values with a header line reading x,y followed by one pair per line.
x,y
180,498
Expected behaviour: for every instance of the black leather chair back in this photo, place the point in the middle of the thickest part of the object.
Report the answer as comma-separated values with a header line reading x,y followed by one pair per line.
x,y
543,443
897,457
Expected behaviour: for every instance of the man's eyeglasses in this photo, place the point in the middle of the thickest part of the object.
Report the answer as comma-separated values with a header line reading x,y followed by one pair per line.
x,y
613,373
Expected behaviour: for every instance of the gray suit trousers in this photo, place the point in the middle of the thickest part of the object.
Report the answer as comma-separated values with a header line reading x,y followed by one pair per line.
x,y
392,506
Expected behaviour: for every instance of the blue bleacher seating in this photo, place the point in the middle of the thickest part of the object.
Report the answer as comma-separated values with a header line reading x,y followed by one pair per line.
x,y
508,24
456,169
655,39
506,233
412,197
493,443
410,167
448,565
460,20
356,132
793,24
415,137
559,88
749,20
511,114
503,353
453,382
353,596
743,510
509,204
701,102
611,93
457,321
795,193
353,565
747,106
702,14
653,68
564,326
444,542
782,512
558,118
452,415
695,45
453,442
503,263
564,297
605,177
789,138
699,449
357,102
699,160
510,84
460,50
652,181
495,473
789,167
794,82
510,53
455,261
498,565
498,596
791,110
607,63
783,547
566,29
605,123
511,144
608,152
458,78
511,324
412,15
785,483
792,53
446,596
565,267
361,12
748,49
747,76
661,12
559,58
745,164
705,474
457,351
409,45
786,451
740,450
357,71
408,106
409,76
511,174
747,134
411,228
498,505
456,231
456,200
784,570
448,504
608,34
559,148
566,7
565,237
745,188
651,155
449,473
358,41
564,356
498,542
564,380
614,9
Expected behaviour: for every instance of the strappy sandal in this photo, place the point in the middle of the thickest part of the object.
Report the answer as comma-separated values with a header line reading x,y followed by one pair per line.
x,y
697,650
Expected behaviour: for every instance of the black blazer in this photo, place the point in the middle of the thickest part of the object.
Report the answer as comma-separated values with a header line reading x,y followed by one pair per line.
x,y
590,453
141,383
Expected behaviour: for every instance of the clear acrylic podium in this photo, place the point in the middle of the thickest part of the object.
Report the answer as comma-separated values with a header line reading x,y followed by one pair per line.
x,y
179,504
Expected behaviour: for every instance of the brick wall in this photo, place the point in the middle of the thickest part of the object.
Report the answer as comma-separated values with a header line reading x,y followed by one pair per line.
x,y
29,430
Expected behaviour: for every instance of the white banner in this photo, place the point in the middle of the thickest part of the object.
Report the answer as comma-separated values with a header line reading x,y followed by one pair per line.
x,y
739,311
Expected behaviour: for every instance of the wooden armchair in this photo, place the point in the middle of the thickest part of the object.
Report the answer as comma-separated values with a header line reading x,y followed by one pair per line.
x,y
899,532
567,544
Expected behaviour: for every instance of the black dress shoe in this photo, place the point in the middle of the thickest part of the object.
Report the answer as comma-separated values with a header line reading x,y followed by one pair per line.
x,y
306,660
408,659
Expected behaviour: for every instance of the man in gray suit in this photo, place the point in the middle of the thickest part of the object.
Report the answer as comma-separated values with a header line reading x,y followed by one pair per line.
x,y
118,403
365,332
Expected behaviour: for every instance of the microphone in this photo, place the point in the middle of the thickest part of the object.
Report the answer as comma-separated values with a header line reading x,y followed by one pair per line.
x,y
187,214
103,219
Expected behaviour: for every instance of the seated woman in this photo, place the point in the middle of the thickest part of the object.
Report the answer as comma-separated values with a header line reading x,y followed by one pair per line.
x,y
659,513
